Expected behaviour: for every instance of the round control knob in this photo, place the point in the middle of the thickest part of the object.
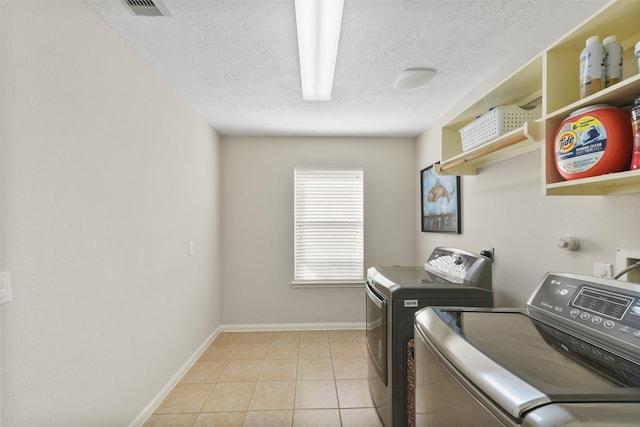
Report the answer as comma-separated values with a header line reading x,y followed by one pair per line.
x,y
457,259
609,324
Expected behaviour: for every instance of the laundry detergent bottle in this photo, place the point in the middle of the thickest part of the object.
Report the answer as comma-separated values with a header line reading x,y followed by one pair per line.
x,y
592,73
593,141
635,126
613,60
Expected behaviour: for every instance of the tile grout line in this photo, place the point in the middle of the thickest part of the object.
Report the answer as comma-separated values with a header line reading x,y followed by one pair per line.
x,y
333,346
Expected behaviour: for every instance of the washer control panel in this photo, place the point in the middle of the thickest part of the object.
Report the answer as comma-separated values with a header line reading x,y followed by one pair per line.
x,y
611,307
459,266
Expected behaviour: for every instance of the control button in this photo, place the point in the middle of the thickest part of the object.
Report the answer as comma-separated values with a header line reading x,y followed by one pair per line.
x,y
574,312
625,329
636,334
596,320
564,292
585,316
609,324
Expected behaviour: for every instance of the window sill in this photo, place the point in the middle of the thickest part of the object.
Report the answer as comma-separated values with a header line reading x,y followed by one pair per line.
x,y
332,284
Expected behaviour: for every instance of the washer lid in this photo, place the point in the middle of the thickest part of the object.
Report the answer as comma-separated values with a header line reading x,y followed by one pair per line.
x,y
521,363
405,276
415,282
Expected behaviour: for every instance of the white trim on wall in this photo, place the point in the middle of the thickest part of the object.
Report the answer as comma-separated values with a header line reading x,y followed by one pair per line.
x,y
291,327
164,392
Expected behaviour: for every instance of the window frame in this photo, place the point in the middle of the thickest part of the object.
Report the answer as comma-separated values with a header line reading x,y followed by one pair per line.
x,y
318,281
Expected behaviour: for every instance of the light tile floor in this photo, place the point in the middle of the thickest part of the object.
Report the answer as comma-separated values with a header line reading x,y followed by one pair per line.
x,y
273,379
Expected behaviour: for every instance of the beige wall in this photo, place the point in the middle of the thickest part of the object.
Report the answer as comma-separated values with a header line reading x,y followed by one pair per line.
x,y
503,207
106,177
257,261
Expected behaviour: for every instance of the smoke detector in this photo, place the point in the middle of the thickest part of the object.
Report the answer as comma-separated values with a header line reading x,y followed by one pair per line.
x,y
413,78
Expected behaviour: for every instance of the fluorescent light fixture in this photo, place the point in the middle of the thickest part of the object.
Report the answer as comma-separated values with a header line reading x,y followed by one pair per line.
x,y
318,23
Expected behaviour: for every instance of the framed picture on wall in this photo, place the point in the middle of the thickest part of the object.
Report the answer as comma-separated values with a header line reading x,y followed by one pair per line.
x,y
440,202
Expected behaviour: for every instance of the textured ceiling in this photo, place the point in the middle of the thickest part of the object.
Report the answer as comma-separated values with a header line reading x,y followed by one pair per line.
x,y
236,61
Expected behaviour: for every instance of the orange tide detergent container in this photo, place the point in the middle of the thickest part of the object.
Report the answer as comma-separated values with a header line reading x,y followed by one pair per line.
x,y
593,141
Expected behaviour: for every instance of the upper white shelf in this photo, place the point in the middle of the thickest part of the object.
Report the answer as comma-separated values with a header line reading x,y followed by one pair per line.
x,y
553,76
519,141
613,183
619,95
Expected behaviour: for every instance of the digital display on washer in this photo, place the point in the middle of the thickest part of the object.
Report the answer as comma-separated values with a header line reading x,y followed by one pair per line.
x,y
602,302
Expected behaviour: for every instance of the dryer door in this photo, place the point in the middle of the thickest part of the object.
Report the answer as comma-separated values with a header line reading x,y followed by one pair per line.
x,y
377,331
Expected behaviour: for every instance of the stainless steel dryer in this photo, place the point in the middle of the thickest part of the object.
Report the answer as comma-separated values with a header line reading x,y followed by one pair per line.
x,y
451,277
571,358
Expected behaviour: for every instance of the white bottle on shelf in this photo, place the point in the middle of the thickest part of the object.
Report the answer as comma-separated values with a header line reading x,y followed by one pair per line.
x,y
612,61
591,67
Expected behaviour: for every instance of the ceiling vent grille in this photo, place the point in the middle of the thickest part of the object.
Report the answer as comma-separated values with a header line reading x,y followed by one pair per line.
x,y
146,7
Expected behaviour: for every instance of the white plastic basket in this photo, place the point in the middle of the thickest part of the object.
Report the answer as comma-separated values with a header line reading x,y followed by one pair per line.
x,y
496,122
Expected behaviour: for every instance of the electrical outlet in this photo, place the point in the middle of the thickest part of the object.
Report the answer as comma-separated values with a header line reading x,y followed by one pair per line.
x,y
603,270
5,287
626,258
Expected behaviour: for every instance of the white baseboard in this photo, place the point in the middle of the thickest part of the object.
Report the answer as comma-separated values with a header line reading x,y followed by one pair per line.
x,y
153,405
290,327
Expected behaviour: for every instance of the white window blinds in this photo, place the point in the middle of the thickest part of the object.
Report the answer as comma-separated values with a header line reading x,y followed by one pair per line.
x,y
329,241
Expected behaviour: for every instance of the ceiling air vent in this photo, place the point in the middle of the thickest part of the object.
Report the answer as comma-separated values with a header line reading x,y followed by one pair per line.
x,y
147,7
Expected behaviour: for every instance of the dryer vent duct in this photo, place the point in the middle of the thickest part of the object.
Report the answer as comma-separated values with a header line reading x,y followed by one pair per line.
x,y
146,7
